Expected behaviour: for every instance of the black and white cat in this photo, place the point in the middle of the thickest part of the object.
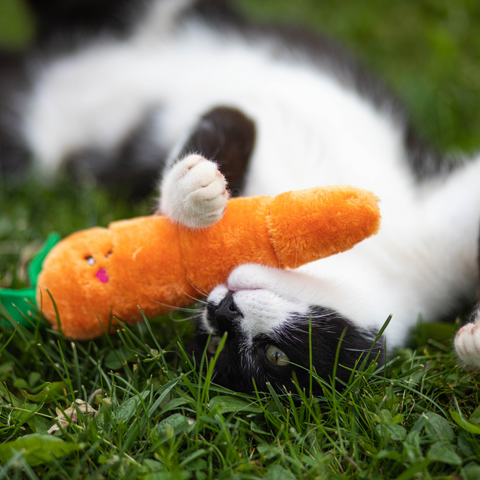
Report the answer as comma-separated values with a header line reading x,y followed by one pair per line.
x,y
192,86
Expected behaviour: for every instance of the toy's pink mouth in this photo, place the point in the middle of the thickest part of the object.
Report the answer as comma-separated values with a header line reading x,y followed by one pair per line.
x,y
102,275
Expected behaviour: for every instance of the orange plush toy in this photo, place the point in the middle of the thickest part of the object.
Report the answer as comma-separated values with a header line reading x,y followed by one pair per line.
x,y
99,274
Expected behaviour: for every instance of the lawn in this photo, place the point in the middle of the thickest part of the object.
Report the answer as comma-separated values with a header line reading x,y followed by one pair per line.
x,y
148,414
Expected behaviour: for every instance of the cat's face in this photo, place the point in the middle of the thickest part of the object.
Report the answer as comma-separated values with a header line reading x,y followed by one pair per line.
x,y
268,317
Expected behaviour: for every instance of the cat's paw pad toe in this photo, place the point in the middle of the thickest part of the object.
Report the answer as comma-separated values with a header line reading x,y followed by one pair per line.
x,y
194,192
467,344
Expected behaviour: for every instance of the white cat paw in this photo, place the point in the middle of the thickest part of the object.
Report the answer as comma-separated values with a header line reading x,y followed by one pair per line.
x,y
467,344
194,192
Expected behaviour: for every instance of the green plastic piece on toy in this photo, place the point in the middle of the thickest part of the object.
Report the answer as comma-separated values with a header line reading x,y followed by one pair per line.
x,y
20,305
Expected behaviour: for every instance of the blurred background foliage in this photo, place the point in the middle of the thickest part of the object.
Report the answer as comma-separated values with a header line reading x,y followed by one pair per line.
x,y
428,51
17,25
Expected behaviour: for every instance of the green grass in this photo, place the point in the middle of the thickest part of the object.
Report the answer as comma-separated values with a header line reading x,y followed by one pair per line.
x,y
16,25
157,418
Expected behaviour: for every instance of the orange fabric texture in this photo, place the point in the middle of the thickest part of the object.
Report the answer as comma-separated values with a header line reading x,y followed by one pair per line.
x,y
98,274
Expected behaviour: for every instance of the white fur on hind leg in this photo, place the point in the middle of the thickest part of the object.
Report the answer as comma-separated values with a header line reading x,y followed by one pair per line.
x,y
194,193
467,343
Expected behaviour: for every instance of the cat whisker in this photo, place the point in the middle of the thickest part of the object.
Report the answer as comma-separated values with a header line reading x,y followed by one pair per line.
x,y
203,294
193,298
173,307
182,319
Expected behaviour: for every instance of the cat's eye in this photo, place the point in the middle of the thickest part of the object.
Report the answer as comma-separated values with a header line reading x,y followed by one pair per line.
x,y
90,260
276,356
213,344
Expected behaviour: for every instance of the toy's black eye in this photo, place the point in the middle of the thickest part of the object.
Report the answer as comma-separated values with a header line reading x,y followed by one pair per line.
x,y
90,260
109,253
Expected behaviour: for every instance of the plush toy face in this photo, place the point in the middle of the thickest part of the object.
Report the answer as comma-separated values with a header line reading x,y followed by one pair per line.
x,y
80,273
100,273
96,257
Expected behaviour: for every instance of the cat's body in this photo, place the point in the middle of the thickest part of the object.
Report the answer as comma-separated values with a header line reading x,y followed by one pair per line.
x,y
278,113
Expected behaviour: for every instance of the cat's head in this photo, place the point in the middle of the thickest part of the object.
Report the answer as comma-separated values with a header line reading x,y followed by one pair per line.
x,y
272,323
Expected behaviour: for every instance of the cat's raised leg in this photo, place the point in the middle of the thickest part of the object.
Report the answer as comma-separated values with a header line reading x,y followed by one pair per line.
x,y
215,153
467,342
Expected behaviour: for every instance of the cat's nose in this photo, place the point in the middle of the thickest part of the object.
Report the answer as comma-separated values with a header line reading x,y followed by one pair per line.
x,y
226,313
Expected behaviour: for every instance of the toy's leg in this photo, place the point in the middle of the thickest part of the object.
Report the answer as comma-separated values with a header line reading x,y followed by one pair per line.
x,y
193,191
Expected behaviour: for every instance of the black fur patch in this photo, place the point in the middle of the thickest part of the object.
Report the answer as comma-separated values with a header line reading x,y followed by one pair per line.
x,y
64,19
215,11
424,159
132,168
238,366
14,156
327,330
227,136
